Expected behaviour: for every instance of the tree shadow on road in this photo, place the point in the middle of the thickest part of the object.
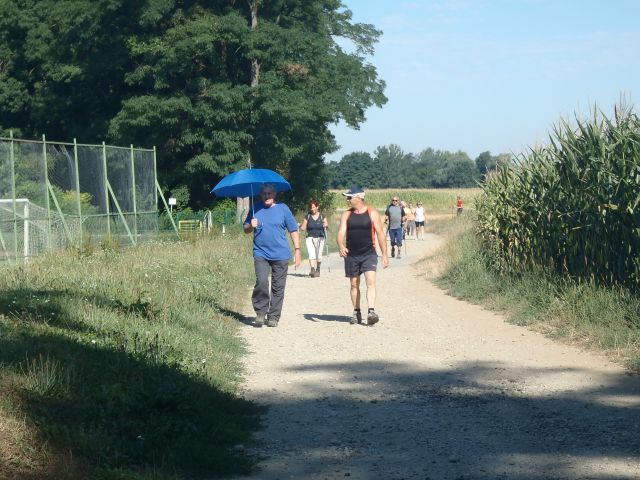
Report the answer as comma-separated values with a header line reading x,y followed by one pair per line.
x,y
114,404
473,421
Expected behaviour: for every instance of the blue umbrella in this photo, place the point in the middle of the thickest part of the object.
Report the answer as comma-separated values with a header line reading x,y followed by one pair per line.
x,y
248,182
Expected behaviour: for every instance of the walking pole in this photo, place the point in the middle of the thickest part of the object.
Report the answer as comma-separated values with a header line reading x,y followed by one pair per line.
x,y
326,244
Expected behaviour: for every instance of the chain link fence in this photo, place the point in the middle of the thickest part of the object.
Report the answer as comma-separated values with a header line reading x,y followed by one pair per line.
x,y
55,195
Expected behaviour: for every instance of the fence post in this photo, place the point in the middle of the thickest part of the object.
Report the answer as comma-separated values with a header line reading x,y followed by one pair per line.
x,y
46,180
135,207
155,173
13,194
75,160
106,190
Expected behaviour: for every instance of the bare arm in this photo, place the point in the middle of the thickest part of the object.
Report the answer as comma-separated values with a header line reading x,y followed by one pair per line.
x,y
303,226
297,256
382,240
342,231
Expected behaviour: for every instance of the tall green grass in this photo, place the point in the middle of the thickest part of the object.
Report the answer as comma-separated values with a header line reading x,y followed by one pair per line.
x,y
572,207
127,363
582,311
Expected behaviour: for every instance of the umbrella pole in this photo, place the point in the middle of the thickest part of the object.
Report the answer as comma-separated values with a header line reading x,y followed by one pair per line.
x,y
251,199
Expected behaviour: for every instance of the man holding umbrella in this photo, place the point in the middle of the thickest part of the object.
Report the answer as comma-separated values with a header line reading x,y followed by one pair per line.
x,y
269,221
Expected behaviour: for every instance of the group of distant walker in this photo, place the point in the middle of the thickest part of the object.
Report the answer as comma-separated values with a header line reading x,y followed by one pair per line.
x,y
360,227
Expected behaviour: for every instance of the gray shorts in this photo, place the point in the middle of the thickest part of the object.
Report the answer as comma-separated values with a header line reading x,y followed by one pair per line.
x,y
356,265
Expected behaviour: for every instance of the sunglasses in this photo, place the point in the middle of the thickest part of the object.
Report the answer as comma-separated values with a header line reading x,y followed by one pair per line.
x,y
349,197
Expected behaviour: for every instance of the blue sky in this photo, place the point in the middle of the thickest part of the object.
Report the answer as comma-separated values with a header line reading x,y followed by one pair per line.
x,y
496,75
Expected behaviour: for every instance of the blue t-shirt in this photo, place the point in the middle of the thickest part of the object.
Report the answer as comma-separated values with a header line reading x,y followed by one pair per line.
x,y
270,238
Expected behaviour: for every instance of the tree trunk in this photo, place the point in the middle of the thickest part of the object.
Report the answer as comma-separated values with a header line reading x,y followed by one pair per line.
x,y
243,204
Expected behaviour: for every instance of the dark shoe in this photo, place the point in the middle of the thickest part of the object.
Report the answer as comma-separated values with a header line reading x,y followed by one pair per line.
x,y
272,322
393,252
312,273
260,319
372,318
356,318
318,270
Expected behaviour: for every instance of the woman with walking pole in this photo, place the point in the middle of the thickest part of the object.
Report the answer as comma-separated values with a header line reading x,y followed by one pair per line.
x,y
315,224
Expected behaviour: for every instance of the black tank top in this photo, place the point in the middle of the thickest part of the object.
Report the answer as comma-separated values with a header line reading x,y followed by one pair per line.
x,y
314,227
359,234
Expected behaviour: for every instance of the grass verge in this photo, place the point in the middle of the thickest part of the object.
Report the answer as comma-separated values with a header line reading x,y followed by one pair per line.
x,y
125,365
604,319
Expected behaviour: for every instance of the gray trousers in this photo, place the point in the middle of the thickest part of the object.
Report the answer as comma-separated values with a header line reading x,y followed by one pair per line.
x,y
263,300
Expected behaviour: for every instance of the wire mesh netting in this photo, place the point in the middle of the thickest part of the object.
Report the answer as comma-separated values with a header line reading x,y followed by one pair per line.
x,y
57,195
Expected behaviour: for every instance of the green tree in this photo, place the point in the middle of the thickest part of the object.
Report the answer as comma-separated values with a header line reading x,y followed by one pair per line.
x,y
393,167
485,162
455,170
213,84
355,168
262,82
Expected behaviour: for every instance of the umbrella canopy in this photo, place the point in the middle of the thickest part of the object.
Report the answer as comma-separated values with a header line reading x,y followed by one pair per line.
x,y
248,182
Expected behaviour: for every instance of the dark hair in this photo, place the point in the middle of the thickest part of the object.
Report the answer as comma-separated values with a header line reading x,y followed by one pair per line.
x,y
313,201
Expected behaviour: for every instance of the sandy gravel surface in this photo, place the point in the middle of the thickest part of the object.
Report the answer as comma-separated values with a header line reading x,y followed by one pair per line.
x,y
439,389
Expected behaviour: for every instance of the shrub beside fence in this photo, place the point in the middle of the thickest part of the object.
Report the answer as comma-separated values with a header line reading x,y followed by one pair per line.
x,y
572,207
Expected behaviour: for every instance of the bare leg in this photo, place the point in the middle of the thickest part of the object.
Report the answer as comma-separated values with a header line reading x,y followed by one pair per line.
x,y
370,278
355,292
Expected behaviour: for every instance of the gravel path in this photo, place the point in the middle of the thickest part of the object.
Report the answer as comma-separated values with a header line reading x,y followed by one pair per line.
x,y
439,389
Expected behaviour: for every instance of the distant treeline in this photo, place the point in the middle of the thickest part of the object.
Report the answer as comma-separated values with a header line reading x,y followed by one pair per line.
x,y
391,167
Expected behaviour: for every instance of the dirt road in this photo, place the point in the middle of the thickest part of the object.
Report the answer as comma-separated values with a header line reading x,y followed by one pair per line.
x,y
439,389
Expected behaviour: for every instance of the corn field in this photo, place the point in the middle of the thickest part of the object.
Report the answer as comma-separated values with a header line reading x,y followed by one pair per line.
x,y
573,206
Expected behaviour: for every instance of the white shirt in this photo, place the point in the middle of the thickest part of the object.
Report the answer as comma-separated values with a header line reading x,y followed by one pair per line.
x,y
419,214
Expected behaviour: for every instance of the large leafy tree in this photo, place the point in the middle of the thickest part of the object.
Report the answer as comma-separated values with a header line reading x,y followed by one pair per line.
x,y
213,83
393,167
354,169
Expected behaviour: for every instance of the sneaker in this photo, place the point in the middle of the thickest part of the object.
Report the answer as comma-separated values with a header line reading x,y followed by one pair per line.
x,y
260,319
312,273
356,318
393,252
272,322
372,318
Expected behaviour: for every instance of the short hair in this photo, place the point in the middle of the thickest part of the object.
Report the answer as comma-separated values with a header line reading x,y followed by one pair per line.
x,y
268,186
315,202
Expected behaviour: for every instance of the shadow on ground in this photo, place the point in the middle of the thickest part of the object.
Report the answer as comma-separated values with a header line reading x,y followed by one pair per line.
x,y
385,420
129,408
316,317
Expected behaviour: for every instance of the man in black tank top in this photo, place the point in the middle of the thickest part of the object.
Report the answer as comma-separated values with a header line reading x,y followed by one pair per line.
x,y
359,228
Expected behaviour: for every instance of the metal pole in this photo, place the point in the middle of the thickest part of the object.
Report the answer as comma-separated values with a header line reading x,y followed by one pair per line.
x,y
155,172
75,160
135,210
25,234
106,190
13,194
46,181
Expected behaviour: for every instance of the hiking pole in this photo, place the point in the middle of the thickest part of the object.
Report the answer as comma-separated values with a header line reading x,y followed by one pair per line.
x,y
326,244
